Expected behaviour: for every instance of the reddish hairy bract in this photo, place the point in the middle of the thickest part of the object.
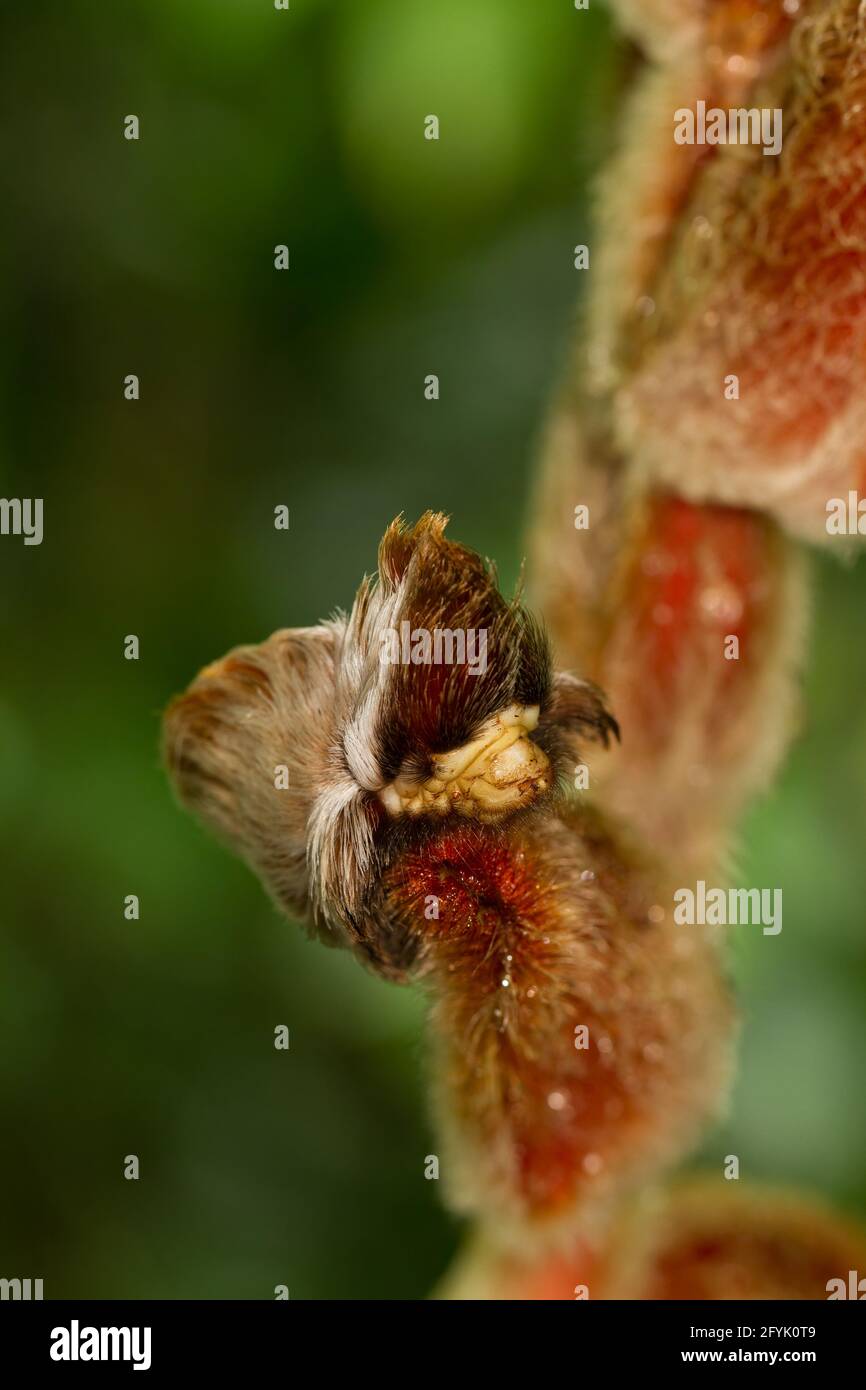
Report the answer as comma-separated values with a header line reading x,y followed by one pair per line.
x,y
565,1010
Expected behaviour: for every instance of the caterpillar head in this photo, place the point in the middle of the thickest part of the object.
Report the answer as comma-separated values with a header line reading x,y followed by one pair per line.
x,y
321,753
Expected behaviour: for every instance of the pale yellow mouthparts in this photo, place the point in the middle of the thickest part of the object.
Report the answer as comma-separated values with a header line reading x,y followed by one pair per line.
x,y
498,772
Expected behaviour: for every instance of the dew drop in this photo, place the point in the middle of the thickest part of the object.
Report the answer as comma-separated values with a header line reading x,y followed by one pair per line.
x,y
721,603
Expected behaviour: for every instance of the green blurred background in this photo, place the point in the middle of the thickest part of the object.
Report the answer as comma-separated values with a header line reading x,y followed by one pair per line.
x,y
305,388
